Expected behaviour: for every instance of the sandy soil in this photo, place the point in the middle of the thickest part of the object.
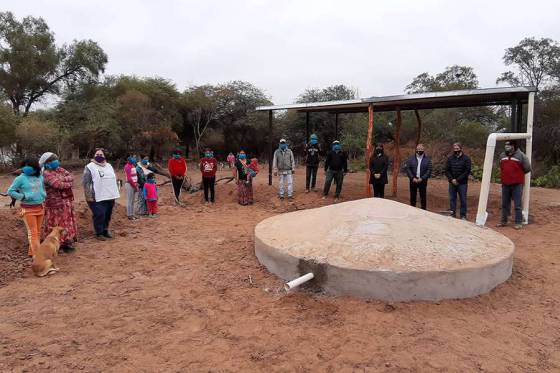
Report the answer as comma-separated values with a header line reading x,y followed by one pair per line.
x,y
186,293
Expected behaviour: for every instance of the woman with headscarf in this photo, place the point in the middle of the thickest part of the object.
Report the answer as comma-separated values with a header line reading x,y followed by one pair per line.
x,y
101,191
59,204
29,190
244,183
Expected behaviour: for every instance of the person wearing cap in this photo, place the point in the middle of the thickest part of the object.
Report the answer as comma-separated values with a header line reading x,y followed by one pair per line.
x,y
312,152
378,166
419,170
336,165
284,165
457,170
59,203
177,167
513,166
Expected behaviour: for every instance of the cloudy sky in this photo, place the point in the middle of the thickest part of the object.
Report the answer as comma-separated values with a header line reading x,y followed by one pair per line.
x,y
285,46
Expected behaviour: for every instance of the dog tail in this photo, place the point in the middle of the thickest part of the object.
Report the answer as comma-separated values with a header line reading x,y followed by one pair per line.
x,y
41,270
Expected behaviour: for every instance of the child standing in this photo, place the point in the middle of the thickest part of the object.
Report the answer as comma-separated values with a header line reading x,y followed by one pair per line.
x,y
208,167
151,195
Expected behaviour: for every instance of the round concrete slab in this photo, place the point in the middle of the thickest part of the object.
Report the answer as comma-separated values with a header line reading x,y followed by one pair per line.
x,y
381,249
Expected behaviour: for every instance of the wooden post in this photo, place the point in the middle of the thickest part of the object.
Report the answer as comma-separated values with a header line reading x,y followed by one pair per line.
x,y
419,130
270,153
397,153
368,147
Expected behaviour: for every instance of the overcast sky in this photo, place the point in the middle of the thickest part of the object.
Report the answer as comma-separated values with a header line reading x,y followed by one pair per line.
x,y
284,47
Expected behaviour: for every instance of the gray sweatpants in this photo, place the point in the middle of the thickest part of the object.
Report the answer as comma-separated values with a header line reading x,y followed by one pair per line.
x,y
130,198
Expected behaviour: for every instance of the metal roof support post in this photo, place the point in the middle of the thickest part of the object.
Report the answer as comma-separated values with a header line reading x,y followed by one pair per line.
x,y
528,151
397,153
307,134
368,147
520,116
336,126
419,129
270,153
514,122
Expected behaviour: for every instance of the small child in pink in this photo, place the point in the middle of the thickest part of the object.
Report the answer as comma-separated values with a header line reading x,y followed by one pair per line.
x,y
151,195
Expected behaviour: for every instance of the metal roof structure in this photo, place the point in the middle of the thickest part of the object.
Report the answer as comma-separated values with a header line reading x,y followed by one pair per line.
x,y
417,101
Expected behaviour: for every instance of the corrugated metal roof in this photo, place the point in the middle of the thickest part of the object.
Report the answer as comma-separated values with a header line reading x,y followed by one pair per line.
x,y
419,101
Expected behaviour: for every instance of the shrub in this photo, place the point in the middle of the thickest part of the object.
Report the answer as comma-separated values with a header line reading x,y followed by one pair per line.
x,y
550,180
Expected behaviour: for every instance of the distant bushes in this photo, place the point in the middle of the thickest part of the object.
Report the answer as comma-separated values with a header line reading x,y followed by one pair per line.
x,y
549,180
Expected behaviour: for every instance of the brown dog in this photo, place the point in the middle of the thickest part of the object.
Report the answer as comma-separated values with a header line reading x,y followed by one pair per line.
x,y
43,259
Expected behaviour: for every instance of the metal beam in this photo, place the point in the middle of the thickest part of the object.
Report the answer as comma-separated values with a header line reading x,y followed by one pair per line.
x,y
397,153
270,147
368,147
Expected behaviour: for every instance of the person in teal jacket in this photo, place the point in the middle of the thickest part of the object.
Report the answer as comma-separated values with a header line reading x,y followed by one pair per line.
x,y
28,188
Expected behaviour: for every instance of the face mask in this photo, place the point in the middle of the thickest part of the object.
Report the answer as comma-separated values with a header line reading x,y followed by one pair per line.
x,y
457,152
176,156
28,170
420,152
242,156
508,148
313,142
53,165
379,151
209,155
337,147
283,146
99,158
145,162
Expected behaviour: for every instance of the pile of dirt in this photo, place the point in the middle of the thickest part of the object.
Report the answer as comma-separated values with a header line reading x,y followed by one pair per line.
x,y
13,249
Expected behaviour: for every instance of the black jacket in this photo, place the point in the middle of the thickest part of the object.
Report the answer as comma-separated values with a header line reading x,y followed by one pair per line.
x,y
425,167
312,153
379,165
458,168
336,161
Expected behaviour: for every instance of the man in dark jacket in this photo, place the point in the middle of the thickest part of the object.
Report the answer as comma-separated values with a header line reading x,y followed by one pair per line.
x,y
312,151
419,170
336,165
458,170
378,166
513,166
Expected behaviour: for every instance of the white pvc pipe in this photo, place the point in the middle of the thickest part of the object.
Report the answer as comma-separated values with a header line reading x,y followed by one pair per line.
x,y
528,151
298,281
481,214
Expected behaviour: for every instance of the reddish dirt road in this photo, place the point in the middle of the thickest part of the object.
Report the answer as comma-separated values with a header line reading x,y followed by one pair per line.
x,y
186,293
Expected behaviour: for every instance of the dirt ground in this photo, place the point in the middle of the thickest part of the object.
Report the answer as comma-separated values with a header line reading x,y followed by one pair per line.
x,y
186,293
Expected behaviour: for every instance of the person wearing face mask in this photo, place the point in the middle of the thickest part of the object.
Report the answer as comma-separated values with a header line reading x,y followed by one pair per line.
x,y
101,191
336,166
457,170
378,166
142,171
28,188
513,166
131,185
208,168
177,167
419,170
284,166
244,181
312,152
59,203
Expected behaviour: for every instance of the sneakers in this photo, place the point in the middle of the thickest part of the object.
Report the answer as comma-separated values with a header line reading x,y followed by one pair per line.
x,y
106,234
501,224
306,190
518,226
100,237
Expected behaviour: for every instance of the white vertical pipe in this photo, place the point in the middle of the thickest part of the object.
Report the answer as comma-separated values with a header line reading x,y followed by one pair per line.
x,y
529,151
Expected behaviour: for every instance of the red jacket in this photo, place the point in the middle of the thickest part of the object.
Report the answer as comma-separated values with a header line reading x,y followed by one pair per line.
x,y
514,167
208,167
177,167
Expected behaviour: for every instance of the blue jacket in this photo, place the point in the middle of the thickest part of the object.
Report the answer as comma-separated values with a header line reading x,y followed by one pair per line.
x,y
28,189
425,167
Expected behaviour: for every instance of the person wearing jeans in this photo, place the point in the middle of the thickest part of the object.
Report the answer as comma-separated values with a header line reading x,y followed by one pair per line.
x,y
336,165
513,166
284,166
457,170
28,188
419,170
131,186
101,191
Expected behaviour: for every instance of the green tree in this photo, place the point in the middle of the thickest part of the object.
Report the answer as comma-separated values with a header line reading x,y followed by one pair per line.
x,y
8,123
452,78
537,63
32,66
